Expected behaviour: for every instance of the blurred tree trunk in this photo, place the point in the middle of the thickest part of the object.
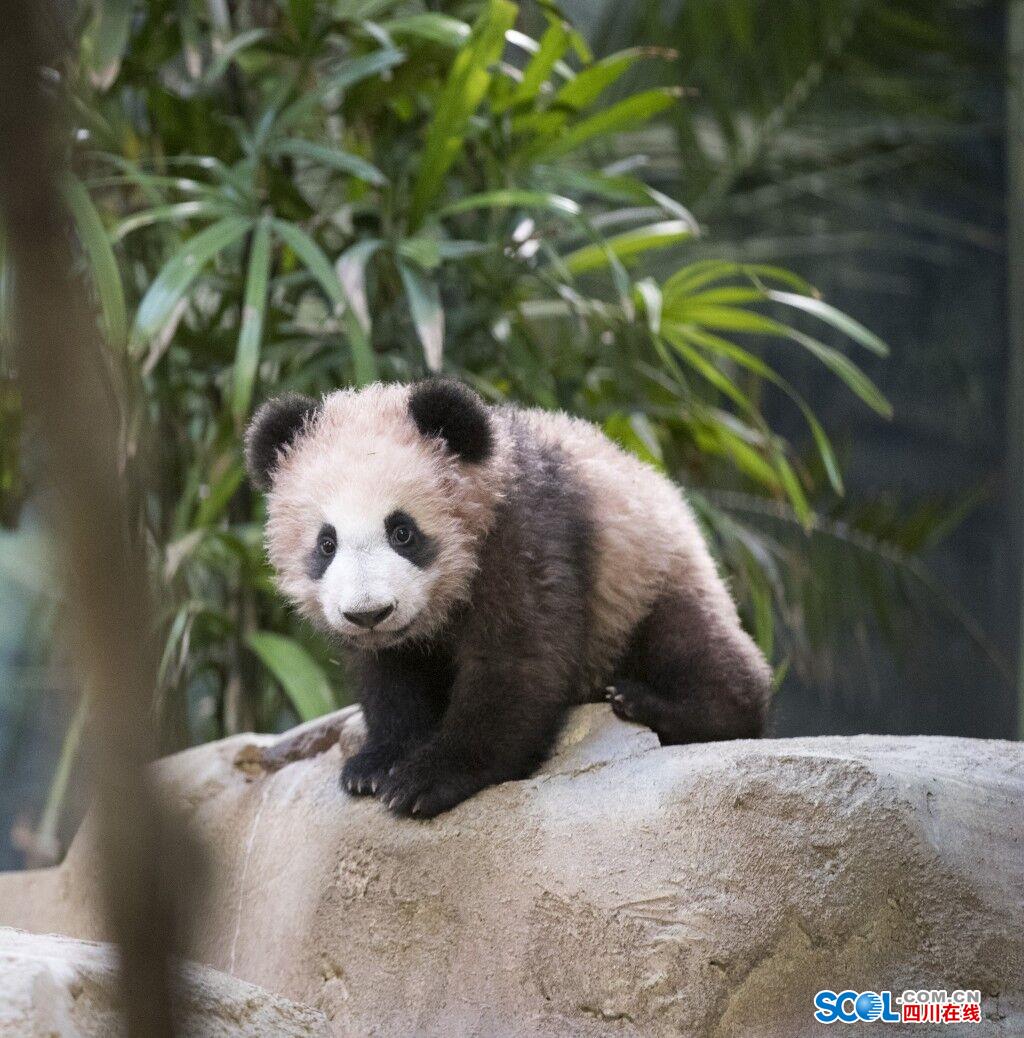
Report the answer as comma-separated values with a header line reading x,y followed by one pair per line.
x,y
61,368
1015,300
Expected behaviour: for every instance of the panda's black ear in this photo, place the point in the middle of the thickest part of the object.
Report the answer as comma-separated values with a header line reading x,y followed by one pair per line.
x,y
274,426
440,407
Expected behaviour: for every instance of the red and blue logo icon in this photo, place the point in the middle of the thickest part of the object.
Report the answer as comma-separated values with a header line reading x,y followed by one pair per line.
x,y
910,1007
851,1007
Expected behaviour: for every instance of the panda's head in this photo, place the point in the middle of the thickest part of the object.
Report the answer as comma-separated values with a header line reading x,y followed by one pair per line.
x,y
377,500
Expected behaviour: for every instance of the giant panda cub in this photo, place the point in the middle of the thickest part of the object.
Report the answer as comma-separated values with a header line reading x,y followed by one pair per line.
x,y
488,568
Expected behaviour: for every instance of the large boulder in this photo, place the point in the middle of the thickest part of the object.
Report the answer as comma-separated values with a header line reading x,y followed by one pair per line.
x,y
626,889
60,988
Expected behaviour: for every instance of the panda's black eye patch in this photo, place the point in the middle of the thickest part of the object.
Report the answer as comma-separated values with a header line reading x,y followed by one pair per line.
x,y
323,552
408,540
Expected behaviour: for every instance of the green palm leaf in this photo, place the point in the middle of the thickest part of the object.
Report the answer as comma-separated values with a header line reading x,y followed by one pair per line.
x,y
628,245
464,90
438,28
427,312
301,677
316,262
346,74
250,336
513,198
179,273
333,158
627,114
102,261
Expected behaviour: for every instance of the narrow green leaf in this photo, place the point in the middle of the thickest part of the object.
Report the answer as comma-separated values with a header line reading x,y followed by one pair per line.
x,y
153,186
317,263
427,313
709,372
47,834
171,213
627,245
673,208
346,74
362,10
730,295
737,354
635,433
724,347
587,182
333,158
102,262
464,90
794,491
301,677
579,93
215,503
766,272
627,114
449,249
238,178
719,438
841,365
351,270
694,276
690,278
106,40
250,335
437,28
589,84
230,50
825,451
680,338
649,295
830,315
553,44
515,38
764,617
423,250
732,319
178,274
513,198
191,38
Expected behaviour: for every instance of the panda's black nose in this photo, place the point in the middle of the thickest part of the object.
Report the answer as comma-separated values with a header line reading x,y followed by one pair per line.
x,y
370,618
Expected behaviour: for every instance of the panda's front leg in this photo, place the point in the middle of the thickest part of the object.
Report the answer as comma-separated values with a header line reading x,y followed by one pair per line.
x,y
402,695
500,725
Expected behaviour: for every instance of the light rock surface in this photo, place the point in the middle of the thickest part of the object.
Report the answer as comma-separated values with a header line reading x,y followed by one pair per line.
x,y
61,988
627,889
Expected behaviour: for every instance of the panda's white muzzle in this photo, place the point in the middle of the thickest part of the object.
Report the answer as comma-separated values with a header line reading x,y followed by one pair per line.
x,y
370,589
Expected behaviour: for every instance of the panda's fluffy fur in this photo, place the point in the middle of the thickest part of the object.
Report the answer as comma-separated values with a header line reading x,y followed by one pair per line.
x,y
488,568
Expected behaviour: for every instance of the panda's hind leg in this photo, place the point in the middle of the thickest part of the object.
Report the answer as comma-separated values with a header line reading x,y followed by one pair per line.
x,y
692,674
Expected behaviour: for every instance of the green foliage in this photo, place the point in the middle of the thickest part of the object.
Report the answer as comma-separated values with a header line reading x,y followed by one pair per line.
x,y
304,195
813,134
804,116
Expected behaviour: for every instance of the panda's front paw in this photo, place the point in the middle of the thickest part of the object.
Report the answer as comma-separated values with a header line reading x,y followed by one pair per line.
x,y
364,773
425,785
